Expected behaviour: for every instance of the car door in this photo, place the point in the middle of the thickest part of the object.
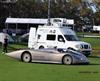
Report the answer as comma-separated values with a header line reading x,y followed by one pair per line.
x,y
41,56
51,41
55,57
60,42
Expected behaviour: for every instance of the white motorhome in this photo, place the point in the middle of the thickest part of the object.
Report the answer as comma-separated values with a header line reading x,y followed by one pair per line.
x,y
56,35
96,28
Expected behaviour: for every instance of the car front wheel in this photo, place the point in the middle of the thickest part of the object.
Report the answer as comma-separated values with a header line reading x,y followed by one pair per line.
x,y
67,60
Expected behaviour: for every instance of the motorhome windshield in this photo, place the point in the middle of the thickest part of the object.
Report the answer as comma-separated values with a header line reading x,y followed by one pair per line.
x,y
71,37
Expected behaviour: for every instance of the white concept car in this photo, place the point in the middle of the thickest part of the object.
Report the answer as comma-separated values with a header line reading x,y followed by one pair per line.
x,y
49,56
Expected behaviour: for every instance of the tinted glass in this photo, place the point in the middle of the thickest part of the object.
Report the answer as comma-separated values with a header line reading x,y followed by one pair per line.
x,y
51,37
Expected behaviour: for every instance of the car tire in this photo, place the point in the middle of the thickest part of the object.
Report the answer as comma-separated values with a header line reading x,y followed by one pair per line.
x,y
26,57
67,60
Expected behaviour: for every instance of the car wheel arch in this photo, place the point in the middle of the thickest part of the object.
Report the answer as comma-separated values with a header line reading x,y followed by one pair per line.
x,y
70,48
27,53
68,55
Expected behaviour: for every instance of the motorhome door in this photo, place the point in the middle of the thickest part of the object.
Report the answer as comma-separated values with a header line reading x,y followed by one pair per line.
x,y
60,41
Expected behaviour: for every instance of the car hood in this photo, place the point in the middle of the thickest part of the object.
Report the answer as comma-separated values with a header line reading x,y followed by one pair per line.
x,y
79,42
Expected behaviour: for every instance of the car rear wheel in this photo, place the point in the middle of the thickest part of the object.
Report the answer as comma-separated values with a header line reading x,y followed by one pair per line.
x,y
26,57
67,60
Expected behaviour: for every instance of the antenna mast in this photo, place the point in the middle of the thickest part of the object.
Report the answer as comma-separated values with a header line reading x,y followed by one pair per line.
x,y
49,12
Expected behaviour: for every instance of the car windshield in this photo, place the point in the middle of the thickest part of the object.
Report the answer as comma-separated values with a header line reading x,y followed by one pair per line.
x,y
71,38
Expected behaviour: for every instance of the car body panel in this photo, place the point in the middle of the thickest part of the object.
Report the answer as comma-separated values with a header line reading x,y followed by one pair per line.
x,y
49,56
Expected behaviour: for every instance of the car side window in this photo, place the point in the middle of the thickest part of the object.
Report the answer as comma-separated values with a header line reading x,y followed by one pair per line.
x,y
60,38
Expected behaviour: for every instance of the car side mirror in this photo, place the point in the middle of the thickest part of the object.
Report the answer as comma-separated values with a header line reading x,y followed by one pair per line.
x,y
61,40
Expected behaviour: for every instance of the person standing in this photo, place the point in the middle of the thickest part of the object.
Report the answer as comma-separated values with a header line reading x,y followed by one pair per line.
x,y
5,44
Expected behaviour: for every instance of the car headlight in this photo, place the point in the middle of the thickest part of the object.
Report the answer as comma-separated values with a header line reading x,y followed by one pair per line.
x,y
90,47
83,46
78,46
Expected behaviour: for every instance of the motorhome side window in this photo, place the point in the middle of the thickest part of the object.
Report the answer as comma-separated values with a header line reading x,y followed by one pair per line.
x,y
51,37
60,38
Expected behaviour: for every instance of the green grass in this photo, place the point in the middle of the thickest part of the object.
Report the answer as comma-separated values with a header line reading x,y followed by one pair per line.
x,y
13,70
95,42
88,33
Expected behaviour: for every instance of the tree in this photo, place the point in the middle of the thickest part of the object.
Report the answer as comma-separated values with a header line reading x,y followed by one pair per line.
x,y
35,9
97,18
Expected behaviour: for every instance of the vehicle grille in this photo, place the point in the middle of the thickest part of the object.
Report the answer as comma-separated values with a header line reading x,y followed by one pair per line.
x,y
86,47
86,52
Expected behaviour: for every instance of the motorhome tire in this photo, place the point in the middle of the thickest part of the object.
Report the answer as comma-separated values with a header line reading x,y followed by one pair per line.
x,y
41,47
